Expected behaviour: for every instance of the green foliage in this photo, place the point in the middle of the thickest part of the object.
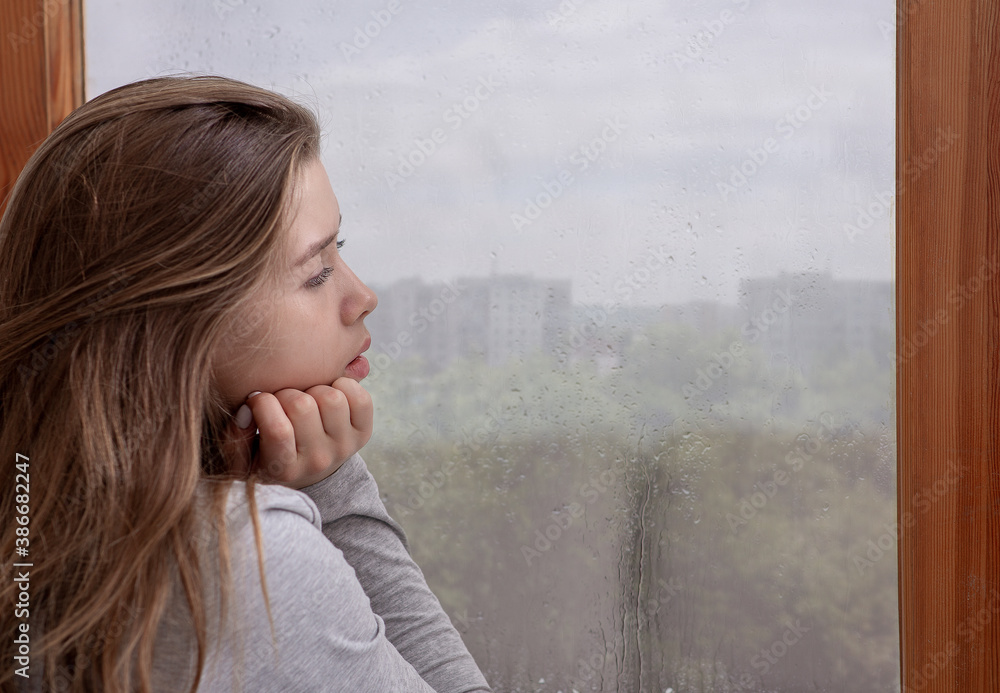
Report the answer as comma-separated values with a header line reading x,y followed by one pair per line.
x,y
603,531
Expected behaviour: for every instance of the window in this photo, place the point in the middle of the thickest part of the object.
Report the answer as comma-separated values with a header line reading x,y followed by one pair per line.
x,y
510,475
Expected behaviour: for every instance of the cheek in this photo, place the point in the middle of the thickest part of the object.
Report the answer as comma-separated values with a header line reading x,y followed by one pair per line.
x,y
302,355
241,356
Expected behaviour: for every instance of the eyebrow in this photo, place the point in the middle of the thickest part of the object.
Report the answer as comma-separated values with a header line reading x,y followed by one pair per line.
x,y
318,246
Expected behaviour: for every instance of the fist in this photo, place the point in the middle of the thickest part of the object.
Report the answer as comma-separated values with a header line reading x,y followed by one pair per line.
x,y
304,436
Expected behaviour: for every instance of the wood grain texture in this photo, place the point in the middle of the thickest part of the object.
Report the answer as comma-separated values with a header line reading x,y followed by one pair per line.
x,y
948,334
41,73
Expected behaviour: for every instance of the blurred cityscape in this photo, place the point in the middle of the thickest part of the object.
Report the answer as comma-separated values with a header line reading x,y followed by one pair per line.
x,y
806,319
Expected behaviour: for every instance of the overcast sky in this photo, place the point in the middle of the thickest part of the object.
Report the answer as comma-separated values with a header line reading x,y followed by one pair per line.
x,y
643,124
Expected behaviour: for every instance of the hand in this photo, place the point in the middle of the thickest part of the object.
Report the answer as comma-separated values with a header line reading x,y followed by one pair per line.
x,y
304,436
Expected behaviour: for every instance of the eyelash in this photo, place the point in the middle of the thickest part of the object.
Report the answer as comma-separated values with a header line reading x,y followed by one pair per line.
x,y
321,278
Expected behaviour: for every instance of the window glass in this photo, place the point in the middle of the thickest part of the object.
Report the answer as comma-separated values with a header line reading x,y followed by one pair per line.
x,y
632,356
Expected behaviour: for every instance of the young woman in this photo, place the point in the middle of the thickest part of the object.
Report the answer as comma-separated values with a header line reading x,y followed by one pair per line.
x,y
170,284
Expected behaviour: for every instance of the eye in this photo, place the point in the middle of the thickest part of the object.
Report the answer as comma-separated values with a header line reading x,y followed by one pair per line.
x,y
320,278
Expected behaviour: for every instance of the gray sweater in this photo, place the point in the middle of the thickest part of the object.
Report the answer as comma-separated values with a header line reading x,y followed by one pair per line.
x,y
351,610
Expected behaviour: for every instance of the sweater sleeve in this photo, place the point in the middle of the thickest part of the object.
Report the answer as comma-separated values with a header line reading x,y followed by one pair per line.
x,y
355,520
320,633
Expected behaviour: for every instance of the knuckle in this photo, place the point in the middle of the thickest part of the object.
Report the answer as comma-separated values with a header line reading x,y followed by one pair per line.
x,y
299,403
316,462
347,386
335,398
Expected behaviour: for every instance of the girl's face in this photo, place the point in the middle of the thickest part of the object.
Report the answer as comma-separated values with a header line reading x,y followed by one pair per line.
x,y
316,314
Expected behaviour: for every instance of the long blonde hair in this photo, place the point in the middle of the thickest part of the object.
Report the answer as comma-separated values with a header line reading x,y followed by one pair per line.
x,y
134,240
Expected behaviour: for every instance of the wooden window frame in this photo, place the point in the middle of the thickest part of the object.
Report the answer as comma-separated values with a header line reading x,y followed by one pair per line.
x,y
41,76
948,314
947,330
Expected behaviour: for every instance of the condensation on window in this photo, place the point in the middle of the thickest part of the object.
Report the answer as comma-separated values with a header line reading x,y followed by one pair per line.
x,y
632,360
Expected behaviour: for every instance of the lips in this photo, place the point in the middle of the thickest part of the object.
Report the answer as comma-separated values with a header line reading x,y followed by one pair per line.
x,y
359,368
365,345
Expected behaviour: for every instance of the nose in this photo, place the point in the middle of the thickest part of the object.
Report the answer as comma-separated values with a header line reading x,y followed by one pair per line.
x,y
359,301
370,300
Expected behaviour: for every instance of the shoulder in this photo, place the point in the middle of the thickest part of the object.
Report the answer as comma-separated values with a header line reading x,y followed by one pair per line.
x,y
316,624
270,500
301,566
